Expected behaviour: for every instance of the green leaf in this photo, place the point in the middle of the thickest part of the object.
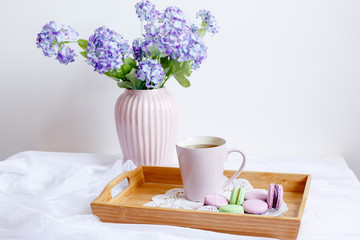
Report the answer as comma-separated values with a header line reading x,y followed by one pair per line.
x,y
125,84
180,70
82,43
166,71
128,65
140,85
126,68
175,67
135,82
84,54
186,68
111,76
201,32
154,51
116,74
119,74
182,80
132,76
131,62
164,62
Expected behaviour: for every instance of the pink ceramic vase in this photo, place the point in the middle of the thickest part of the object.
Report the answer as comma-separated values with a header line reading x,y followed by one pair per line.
x,y
146,123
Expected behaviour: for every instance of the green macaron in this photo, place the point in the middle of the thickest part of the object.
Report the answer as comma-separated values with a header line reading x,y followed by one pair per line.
x,y
237,196
241,197
231,209
234,195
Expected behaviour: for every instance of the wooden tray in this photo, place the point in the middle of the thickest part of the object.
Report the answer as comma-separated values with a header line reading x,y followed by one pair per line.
x,y
146,182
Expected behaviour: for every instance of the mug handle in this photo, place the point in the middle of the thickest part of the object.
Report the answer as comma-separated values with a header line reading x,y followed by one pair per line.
x,y
231,150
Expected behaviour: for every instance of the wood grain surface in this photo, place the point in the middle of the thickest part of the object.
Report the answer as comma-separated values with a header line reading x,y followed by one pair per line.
x,y
146,182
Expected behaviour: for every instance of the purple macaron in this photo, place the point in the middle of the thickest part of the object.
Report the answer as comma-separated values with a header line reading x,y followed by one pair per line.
x,y
255,206
275,196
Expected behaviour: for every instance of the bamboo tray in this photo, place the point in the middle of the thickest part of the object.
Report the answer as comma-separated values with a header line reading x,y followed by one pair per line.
x,y
146,182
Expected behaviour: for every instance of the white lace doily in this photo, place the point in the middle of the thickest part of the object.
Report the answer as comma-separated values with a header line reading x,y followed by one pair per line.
x,y
175,198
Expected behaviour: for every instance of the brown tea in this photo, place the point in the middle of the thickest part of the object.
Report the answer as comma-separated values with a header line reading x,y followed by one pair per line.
x,y
196,146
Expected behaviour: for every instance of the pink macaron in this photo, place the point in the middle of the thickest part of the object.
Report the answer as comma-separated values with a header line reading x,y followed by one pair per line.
x,y
256,194
216,200
275,196
255,206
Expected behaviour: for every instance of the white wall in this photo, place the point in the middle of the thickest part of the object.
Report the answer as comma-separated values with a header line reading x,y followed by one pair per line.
x,y
282,77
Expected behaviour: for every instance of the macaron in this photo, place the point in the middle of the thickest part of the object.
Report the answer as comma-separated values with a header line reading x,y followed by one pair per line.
x,y
255,206
256,194
216,200
234,195
275,196
231,209
241,196
237,196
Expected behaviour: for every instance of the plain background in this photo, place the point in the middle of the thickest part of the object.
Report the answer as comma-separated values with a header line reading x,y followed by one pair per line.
x,y
281,77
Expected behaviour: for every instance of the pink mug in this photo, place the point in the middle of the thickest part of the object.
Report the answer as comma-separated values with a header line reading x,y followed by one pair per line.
x,y
201,161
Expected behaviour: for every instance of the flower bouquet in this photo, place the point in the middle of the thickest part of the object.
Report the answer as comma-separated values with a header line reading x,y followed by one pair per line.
x,y
146,121
168,46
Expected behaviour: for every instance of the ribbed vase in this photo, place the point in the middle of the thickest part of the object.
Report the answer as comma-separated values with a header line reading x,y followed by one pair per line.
x,y
146,123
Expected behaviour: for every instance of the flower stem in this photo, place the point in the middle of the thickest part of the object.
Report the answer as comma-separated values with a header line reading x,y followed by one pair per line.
x,y
61,43
69,42
142,26
162,85
141,35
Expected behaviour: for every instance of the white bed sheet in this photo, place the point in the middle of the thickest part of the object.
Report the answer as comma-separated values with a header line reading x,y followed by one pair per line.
x,y
47,195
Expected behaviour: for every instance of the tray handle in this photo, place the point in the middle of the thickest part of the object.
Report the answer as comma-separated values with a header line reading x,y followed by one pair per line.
x,y
135,179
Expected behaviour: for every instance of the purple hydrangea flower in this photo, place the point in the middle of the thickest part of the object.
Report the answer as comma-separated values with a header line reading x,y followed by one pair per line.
x,y
173,18
194,28
176,38
151,31
137,49
65,55
172,32
169,40
193,49
106,50
140,50
150,71
208,20
51,40
172,13
146,11
70,33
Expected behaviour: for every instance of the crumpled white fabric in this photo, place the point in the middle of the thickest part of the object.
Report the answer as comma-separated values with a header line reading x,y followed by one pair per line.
x,y
47,195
